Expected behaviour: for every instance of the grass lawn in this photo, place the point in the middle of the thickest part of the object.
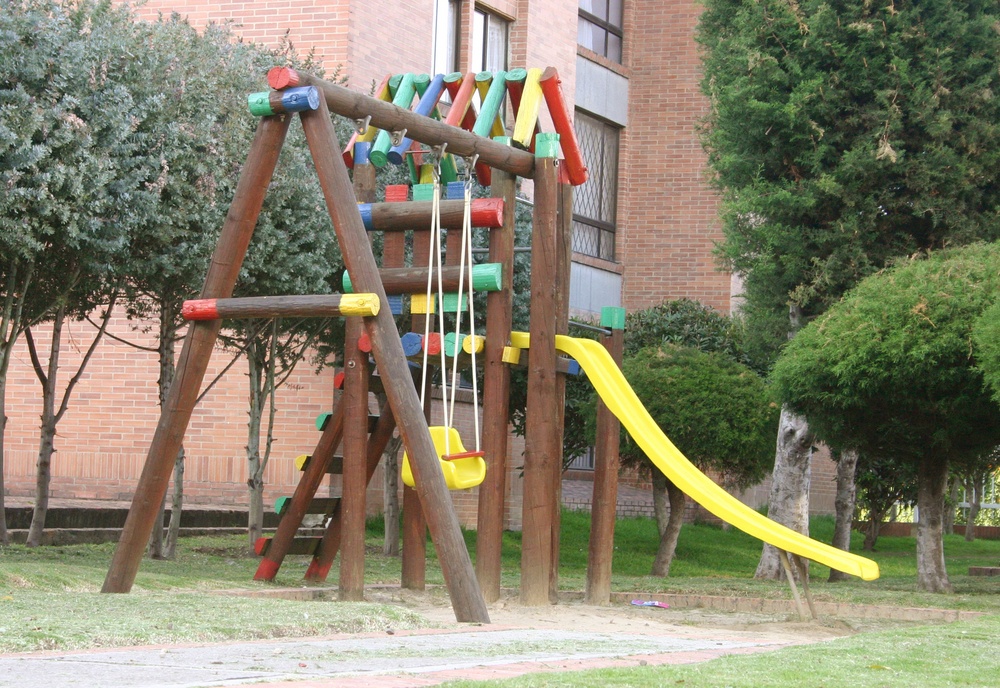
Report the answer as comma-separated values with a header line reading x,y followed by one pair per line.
x,y
49,599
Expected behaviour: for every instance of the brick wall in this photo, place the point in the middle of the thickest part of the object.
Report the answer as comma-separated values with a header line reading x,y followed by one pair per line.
x,y
670,214
667,226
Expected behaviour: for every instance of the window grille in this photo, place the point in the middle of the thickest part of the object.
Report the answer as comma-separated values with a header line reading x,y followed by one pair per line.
x,y
595,201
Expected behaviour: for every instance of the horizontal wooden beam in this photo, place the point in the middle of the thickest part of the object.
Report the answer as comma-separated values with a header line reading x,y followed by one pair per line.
x,y
387,217
426,130
485,277
324,305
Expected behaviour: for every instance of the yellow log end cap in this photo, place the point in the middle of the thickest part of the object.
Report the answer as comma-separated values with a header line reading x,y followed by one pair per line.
x,y
359,304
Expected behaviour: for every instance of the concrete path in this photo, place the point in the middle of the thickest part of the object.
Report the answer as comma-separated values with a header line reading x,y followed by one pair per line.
x,y
403,658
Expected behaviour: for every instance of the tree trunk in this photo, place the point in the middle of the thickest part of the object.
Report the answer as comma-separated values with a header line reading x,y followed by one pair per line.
x,y
155,548
46,444
951,505
788,503
4,535
668,538
844,504
932,482
176,507
872,530
390,499
15,289
974,488
661,502
255,483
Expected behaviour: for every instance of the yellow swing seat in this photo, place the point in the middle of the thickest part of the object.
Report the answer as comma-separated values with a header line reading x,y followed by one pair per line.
x,y
462,469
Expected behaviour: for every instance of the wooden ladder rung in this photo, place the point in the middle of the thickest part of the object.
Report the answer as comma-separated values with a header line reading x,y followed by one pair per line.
x,y
318,505
299,545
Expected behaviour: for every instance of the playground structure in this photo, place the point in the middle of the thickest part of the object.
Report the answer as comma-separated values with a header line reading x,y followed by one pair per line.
x,y
390,132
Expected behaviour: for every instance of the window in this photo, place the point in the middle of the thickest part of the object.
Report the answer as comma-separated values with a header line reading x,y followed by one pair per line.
x,y
489,43
599,27
445,57
595,202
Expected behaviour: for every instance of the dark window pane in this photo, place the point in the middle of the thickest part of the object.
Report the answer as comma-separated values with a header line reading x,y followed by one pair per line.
x,y
615,12
614,51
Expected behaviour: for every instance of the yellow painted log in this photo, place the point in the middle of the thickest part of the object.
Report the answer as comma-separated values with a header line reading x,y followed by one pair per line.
x,y
527,116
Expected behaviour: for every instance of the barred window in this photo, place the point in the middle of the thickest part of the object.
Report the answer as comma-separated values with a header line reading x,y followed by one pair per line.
x,y
595,202
599,27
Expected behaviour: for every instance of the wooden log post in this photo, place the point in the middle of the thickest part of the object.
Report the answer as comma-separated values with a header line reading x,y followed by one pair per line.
x,y
351,586
543,404
456,565
564,257
496,398
195,354
603,510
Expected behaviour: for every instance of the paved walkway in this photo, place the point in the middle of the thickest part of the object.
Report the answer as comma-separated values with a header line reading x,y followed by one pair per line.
x,y
403,658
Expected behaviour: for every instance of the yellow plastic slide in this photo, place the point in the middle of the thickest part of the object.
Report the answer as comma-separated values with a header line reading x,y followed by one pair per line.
x,y
615,391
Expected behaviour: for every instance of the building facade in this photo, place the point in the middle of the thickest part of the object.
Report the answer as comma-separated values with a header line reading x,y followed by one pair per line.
x,y
644,224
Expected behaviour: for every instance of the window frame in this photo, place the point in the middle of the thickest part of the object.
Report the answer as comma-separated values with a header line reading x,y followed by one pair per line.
x,y
602,226
609,28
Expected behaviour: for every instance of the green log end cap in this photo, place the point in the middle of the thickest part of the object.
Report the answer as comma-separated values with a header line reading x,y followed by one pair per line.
x,y
487,277
547,145
517,75
503,140
423,192
379,158
260,104
613,317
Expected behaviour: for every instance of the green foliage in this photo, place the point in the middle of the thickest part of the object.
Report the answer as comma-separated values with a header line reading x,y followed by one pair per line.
x,y
891,370
845,134
986,337
717,411
687,323
75,160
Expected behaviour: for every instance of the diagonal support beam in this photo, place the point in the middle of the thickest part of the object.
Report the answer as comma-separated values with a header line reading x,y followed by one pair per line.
x,y
196,353
456,565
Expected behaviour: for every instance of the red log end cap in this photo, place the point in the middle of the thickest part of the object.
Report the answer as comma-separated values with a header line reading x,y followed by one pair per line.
x,y
200,309
282,77
365,343
487,212
260,545
432,344
338,380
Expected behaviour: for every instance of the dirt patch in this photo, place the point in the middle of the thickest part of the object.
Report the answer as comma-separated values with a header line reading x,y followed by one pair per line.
x,y
573,615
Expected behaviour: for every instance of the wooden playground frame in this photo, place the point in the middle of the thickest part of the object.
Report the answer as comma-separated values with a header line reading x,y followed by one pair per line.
x,y
429,505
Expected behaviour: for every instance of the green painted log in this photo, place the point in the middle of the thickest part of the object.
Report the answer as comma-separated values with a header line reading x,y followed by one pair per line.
x,y
383,142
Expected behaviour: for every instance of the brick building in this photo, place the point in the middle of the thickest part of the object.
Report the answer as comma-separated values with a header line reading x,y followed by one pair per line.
x,y
644,225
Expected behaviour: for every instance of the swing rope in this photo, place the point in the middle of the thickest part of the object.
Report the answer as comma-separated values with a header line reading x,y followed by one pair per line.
x,y
435,251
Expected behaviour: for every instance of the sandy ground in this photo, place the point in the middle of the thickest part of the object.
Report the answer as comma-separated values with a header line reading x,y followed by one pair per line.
x,y
571,615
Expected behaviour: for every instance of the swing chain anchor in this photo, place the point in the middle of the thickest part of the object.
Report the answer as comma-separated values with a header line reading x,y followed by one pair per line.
x,y
470,165
397,136
361,125
438,152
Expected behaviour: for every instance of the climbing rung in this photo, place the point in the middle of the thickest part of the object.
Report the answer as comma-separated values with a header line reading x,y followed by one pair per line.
x,y
324,418
336,466
304,545
319,505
